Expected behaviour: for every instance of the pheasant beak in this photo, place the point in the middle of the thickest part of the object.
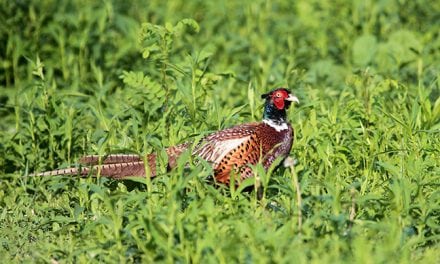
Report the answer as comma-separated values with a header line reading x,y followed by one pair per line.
x,y
292,98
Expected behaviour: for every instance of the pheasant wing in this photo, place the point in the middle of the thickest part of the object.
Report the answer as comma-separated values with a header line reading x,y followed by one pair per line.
x,y
231,150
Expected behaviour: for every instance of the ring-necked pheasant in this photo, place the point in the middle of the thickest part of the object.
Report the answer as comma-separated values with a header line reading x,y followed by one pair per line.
x,y
231,150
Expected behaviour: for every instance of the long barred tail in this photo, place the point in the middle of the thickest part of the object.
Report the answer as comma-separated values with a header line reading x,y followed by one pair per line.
x,y
110,159
117,166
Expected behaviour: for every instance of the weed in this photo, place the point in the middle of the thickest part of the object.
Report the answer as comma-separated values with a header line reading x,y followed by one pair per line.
x,y
95,78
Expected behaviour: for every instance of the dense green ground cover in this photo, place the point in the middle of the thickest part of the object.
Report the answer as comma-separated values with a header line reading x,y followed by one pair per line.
x,y
94,77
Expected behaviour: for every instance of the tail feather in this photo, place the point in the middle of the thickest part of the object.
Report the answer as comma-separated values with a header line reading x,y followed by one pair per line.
x,y
67,171
118,166
121,170
113,170
110,159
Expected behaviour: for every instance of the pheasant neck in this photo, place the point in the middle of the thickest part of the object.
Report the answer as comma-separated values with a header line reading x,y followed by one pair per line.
x,y
274,117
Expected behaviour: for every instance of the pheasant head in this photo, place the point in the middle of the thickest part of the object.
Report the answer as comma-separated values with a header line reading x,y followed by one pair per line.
x,y
277,101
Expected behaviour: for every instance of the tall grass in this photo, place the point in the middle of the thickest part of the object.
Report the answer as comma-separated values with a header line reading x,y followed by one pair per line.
x,y
95,78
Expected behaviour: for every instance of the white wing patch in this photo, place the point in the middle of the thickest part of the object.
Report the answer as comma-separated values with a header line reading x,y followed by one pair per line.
x,y
216,151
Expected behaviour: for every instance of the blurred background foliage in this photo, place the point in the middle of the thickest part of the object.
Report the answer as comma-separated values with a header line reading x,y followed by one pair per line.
x,y
93,77
74,54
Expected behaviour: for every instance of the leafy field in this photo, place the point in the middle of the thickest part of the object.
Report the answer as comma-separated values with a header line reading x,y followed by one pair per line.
x,y
96,77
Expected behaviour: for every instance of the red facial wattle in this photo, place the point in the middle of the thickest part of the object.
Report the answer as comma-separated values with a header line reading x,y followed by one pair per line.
x,y
278,98
279,102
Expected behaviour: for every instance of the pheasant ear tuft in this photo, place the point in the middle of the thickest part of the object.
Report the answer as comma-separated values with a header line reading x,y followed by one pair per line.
x,y
264,96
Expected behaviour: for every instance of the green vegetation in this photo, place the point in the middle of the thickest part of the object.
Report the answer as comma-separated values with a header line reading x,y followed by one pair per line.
x,y
95,77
